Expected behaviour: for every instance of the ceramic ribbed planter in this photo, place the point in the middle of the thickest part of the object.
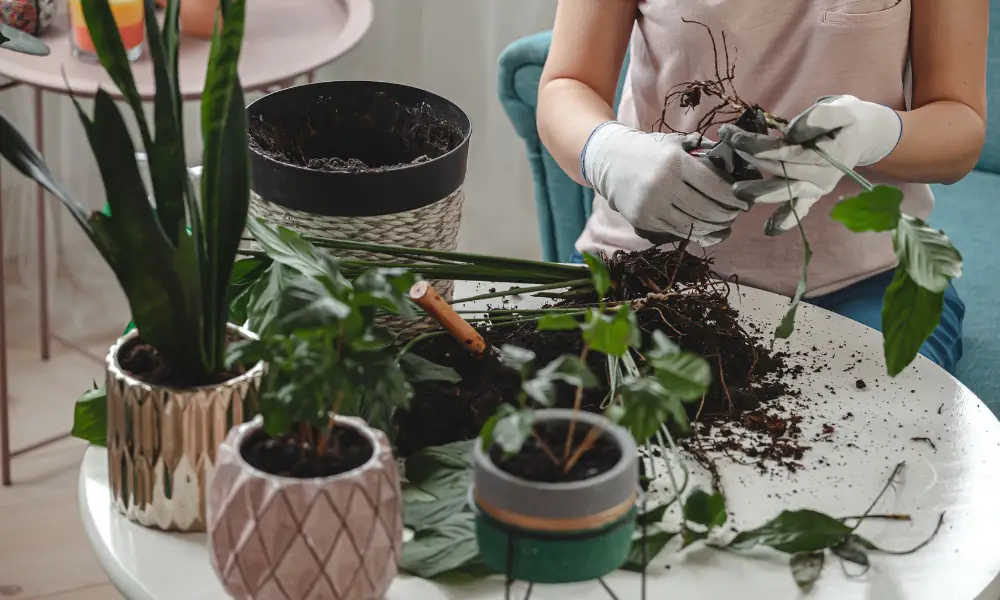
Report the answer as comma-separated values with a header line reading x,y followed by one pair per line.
x,y
557,532
162,441
362,161
282,538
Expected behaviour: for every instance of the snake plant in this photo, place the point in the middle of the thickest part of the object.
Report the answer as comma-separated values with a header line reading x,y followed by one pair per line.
x,y
173,260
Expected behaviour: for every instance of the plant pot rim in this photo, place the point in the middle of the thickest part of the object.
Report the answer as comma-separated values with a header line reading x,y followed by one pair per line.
x,y
115,368
403,168
620,436
257,423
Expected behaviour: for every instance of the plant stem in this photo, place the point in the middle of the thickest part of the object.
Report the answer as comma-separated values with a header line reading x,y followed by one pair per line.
x,y
857,177
885,488
575,283
576,408
588,442
891,517
545,447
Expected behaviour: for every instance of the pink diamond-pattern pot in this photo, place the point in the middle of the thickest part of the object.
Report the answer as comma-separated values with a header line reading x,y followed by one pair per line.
x,y
281,538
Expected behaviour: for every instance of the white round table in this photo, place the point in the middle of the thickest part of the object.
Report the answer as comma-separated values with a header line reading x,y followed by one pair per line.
x,y
960,476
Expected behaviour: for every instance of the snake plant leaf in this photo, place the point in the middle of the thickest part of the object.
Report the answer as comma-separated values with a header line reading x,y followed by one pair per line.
x,y
19,41
111,51
168,169
226,180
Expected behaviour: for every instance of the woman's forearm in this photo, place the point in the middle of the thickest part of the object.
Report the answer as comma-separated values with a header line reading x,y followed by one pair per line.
x,y
568,111
940,143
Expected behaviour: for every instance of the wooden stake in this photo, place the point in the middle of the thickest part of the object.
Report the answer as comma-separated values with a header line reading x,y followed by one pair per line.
x,y
427,298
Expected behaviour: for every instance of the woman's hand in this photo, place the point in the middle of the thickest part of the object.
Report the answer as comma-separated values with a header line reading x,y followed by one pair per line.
x,y
664,192
853,132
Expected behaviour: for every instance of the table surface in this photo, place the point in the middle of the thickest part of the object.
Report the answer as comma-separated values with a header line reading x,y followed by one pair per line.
x,y
283,39
959,476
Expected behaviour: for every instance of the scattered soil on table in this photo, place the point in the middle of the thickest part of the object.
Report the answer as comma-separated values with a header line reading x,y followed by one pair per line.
x,y
533,462
288,456
145,363
676,293
367,134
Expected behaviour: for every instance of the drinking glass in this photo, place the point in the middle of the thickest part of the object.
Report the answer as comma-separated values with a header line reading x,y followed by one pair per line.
x,y
128,16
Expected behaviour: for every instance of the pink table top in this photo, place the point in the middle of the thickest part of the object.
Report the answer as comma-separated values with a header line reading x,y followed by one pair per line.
x,y
283,39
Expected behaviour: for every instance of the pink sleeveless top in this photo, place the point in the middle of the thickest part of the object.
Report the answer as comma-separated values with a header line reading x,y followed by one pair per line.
x,y
788,54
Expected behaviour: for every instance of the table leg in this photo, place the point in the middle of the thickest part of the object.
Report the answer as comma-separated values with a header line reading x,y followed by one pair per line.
x,y
43,270
4,415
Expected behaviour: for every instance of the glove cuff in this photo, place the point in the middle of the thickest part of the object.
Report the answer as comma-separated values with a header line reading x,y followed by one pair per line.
x,y
886,127
594,157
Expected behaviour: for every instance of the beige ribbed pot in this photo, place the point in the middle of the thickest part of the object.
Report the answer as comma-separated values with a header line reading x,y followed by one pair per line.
x,y
162,441
283,538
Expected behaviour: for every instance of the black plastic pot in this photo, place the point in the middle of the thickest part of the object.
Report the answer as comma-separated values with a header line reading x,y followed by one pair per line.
x,y
386,126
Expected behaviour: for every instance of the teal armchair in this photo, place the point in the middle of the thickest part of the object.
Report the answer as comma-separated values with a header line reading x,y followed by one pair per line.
x,y
967,211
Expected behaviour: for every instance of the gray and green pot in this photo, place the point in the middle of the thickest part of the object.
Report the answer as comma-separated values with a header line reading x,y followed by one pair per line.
x,y
557,532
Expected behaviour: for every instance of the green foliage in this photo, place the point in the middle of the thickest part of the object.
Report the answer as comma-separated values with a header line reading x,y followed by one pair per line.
x,y
319,338
90,417
877,209
910,314
173,262
795,532
806,569
611,334
599,274
16,40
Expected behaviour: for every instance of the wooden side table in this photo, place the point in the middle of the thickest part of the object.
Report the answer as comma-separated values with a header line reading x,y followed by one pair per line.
x,y
284,40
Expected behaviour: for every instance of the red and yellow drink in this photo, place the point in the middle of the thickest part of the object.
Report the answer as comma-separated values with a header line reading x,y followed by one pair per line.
x,y
129,18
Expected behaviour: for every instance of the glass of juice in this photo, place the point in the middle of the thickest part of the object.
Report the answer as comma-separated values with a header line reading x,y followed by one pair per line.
x,y
131,26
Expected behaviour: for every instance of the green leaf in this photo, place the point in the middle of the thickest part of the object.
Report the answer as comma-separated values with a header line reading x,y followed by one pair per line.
x,y
286,247
16,40
558,323
568,368
225,196
927,254
684,375
648,406
424,515
806,569
910,314
441,470
246,273
652,516
513,428
853,550
611,334
691,536
872,210
516,357
787,325
704,509
599,274
90,417
387,289
445,547
419,369
654,542
794,532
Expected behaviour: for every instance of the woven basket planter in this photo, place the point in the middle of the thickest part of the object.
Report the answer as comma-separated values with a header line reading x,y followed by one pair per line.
x,y
362,161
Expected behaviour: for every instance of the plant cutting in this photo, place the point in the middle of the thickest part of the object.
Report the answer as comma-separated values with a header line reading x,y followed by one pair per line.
x,y
171,397
361,160
308,495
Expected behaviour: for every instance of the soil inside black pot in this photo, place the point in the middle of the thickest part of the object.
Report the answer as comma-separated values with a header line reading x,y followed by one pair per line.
x,y
368,133
533,463
288,456
145,363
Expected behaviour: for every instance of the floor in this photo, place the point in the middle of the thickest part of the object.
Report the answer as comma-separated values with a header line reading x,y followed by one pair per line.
x,y
43,551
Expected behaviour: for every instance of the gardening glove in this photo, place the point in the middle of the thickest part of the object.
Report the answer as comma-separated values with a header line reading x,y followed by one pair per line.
x,y
665,193
853,132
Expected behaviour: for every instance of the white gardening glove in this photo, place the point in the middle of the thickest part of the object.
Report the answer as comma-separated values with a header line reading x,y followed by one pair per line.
x,y
854,132
666,194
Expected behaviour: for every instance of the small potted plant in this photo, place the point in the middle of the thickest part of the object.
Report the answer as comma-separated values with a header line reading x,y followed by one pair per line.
x,y
308,493
170,396
362,161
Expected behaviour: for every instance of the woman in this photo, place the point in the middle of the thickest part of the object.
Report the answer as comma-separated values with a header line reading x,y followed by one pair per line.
x,y
843,68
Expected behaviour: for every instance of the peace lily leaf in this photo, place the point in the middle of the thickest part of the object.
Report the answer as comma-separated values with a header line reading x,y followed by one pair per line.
x,y
872,210
611,334
90,417
447,546
441,470
794,532
418,368
516,357
806,569
599,274
853,550
654,543
927,254
691,536
910,313
704,509
423,515
558,323
512,430
652,516
648,405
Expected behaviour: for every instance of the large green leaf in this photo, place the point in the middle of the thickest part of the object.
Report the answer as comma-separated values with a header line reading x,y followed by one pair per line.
x,y
910,313
226,176
683,374
795,532
447,546
708,510
927,254
111,51
876,209
90,417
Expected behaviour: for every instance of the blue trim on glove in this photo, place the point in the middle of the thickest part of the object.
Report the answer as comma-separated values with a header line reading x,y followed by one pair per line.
x,y
583,152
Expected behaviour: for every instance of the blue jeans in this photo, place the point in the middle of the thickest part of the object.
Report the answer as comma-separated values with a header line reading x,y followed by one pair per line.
x,y
862,302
